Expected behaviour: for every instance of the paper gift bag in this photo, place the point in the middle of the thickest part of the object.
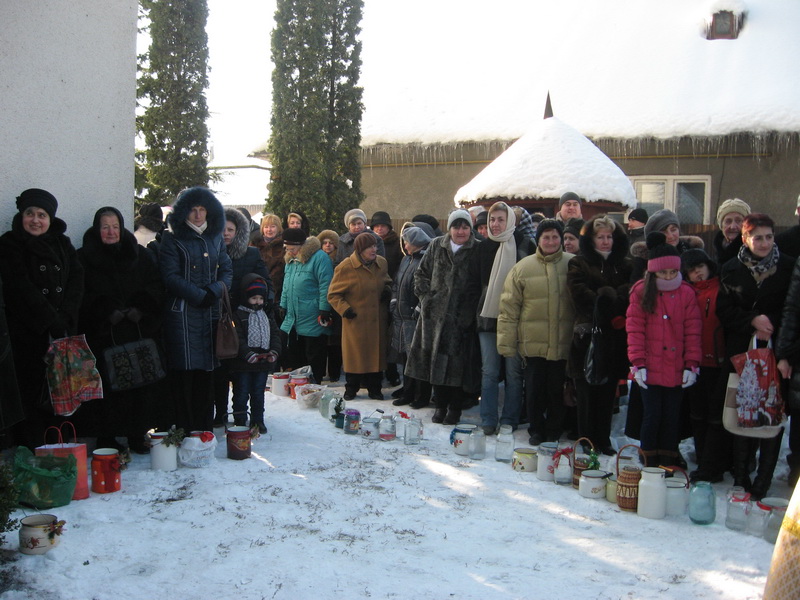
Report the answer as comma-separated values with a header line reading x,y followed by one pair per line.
x,y
66,449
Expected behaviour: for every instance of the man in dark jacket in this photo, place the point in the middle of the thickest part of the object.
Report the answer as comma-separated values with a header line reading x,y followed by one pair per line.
x,y
788,242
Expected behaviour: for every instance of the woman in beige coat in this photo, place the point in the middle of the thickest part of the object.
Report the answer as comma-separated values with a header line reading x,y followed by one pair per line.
x,y
360,292
536,319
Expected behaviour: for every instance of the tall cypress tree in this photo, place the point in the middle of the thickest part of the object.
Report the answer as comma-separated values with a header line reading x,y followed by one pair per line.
x,y
172,82
316,110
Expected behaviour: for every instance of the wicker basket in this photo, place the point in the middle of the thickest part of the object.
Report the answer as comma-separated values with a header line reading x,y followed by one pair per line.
x,y
579,462
628,482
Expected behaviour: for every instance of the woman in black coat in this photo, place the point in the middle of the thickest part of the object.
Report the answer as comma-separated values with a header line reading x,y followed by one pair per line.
x,y
600,276
43,287
122,302
753,288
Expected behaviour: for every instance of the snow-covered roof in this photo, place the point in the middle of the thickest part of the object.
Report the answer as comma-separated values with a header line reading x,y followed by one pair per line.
x,y
450,71
548,160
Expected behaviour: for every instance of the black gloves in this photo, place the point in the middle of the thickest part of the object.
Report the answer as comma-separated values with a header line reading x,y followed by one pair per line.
x,y
209,299
349,314
386,295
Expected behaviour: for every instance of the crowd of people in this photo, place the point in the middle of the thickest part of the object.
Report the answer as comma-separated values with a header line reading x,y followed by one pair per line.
x,y
543,322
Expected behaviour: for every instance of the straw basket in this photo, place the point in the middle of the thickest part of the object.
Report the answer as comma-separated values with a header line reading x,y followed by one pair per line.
x,y
628,482
579,462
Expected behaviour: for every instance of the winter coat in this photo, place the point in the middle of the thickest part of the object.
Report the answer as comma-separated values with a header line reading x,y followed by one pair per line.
x,y
239,364
394,253
42,288
788,341
117,278
788,242
712,337
442,350
635,236
536,314
346,242
722,254
592,278
11,411
272,253
741,299
360,287
190,264
305,289
481,271
404,318
666,341
245,259
639,253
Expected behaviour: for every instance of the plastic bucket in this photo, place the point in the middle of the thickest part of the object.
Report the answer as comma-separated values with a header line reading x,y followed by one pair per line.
x,y
280,384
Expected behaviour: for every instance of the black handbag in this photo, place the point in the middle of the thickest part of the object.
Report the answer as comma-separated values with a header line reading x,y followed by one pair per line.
x,y
133,364
227,343
594,365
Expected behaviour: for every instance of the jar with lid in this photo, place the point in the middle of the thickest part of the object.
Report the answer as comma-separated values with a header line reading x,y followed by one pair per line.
x,y
504,446
412,431
702,503
738,508
387,428
477,444
757,519
777,512
352,421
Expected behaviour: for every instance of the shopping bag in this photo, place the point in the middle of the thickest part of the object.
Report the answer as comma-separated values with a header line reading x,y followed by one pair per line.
x,y
72,376
44,482
63,449
133,365
227,338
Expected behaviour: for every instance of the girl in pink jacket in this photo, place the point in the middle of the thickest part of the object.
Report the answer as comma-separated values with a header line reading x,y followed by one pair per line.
x,y
664,327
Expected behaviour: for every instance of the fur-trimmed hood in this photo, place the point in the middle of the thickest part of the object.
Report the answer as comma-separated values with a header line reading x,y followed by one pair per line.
x,y
619,248
307,250
238,246
685,242
196,196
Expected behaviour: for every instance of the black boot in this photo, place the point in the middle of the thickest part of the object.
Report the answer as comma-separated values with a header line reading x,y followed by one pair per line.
x,y
770,449
453,416
439,415
741,462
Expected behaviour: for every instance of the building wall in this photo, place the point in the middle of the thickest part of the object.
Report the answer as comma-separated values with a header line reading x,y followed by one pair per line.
x,y
765,172
67,105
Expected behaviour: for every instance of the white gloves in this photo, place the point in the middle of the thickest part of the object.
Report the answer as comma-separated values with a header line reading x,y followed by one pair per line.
x,y
641,376
689,378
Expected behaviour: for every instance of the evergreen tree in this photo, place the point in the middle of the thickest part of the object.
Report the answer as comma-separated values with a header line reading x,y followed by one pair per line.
x,y
316,110
172,82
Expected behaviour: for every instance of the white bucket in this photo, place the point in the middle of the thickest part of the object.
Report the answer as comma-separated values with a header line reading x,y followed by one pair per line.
x,y
280,384
162,457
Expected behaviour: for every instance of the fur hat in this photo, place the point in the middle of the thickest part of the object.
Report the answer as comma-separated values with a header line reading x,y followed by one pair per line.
x,y
732,205
546,225
294,237
638,214
430,220
150,217
481,219
697,256
458,215
328,234
381,218
354,213
364,240
39,198
256,287
661,255
416,237
659,221
566,197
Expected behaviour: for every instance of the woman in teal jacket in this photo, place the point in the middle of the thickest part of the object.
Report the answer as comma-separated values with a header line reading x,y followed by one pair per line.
x,y
304,301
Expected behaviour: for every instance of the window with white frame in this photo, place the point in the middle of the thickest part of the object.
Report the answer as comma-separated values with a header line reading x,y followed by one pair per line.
x,y
688,196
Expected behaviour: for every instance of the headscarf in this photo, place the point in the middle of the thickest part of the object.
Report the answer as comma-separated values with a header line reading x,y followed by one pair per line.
x,y
504,260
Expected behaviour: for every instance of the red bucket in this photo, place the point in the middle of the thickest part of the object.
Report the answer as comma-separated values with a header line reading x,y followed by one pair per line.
x,y
105,471
239,441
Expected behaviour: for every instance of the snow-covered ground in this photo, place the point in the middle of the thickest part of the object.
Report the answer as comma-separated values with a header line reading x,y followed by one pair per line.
x,y
316,513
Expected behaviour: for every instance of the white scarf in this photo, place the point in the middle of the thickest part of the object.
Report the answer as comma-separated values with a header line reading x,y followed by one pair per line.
x,y
199,230
504,260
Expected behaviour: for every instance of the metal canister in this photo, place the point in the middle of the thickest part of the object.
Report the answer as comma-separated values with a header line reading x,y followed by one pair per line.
x,y
369,428
352,420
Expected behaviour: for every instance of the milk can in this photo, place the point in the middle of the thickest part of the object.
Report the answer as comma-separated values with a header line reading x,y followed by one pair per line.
x,y
544,465
652,494
592,483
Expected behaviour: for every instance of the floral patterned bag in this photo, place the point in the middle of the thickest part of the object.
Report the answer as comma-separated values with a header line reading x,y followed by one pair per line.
x,y
72,376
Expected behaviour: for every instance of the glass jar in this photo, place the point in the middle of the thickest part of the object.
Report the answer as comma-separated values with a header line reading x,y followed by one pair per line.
x,y
387,429
776,515
412,433
352,421
702,503
477,444
757,519
738,508
504,446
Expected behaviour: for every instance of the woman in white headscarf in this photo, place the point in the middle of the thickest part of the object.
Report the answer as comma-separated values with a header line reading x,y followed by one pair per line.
x,y
492,261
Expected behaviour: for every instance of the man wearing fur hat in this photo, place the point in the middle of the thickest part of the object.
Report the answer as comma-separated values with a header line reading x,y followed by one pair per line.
x,y
569,207
196,269
728,239
356,222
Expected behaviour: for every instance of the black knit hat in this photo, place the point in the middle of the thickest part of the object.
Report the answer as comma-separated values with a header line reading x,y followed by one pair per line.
x,y
574,227
697,256
257,287
547,224
294,237
381,218
39,198
638,214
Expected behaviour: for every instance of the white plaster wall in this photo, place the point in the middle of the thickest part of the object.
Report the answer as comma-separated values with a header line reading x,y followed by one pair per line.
x,y
67,102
